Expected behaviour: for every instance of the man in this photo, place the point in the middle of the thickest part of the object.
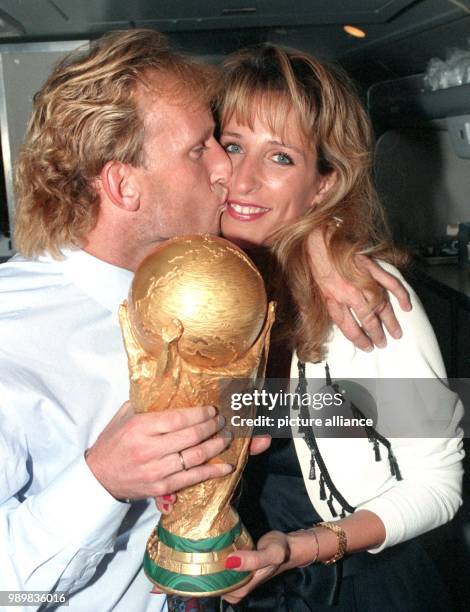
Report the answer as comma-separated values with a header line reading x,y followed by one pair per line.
x,y
120,155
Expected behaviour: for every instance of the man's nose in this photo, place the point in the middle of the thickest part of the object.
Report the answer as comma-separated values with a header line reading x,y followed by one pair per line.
x,y
222,167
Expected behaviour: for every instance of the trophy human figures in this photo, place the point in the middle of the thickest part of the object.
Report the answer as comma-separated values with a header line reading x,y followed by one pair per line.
x,y
196,328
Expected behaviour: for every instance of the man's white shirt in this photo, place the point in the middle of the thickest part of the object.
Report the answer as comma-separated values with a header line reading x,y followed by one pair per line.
x,y
63,375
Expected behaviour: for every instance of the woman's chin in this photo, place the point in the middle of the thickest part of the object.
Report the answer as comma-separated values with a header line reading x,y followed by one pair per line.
x,y
241,241
242,238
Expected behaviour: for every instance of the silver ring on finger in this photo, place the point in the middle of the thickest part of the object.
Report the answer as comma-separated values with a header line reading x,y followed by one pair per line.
x,y
183,464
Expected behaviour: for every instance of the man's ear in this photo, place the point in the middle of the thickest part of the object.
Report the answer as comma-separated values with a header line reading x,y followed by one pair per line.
x,y
326,182
119,184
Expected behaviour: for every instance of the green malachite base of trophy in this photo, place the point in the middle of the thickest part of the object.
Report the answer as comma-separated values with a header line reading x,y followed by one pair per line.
x,y
195,567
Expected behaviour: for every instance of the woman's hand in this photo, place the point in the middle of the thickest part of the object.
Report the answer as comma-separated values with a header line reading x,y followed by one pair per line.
x,y
267,560
165,503
277,552
348,306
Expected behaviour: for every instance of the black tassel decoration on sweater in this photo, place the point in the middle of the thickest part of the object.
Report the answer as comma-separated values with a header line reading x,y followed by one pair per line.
x,y
376,446
328,491
322,487
375,438
312,475
331,506
395,470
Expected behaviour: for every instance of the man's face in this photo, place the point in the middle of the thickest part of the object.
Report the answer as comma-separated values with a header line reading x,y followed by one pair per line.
x,y
183,179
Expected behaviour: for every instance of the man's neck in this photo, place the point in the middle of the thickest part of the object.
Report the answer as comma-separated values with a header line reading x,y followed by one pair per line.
x,y
116,239
123,256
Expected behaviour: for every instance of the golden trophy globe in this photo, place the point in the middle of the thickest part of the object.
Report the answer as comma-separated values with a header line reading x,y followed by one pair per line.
x,y
196,328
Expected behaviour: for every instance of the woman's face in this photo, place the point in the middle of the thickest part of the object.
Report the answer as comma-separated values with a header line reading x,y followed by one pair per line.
x,y
274,182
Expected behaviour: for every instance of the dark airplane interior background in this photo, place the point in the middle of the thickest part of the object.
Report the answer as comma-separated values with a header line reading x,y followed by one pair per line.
x,y
411,61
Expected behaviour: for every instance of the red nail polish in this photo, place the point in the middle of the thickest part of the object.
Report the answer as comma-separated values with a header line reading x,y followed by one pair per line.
x,y
167,497
165,507
233,562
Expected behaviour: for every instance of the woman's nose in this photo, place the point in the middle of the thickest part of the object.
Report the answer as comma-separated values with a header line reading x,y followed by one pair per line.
x,y
245,175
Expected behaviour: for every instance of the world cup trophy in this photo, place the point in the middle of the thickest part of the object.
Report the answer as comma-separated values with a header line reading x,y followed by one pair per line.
x,y
196,328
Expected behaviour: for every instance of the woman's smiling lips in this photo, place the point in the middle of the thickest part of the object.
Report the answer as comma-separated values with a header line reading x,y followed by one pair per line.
x,y
244,211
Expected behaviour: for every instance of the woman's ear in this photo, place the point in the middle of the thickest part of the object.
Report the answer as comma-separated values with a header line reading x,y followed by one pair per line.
x,y
119,184
326,182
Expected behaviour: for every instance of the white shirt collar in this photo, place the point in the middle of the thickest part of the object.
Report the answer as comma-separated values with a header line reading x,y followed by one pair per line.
x,y
105,283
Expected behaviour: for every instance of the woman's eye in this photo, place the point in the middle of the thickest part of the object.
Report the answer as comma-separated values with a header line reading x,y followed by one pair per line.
x,y
282,158
231,147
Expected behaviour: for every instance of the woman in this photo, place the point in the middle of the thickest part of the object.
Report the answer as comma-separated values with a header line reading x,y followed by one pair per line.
x,y
300,146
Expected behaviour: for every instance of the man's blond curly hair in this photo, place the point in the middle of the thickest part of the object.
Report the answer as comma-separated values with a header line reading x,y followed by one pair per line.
x,y
85,115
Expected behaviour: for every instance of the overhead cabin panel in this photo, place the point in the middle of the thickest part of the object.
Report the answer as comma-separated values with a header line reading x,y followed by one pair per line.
x,y
69,17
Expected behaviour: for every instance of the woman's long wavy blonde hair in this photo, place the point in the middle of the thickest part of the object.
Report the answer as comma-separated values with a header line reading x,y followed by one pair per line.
x,y
270,82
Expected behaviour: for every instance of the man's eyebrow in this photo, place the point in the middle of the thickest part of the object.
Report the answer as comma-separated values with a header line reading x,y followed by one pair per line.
x,y
206,134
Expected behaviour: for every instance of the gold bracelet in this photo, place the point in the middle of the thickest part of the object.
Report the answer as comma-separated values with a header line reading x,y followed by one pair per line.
x,y
315,559
342,541
312,530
